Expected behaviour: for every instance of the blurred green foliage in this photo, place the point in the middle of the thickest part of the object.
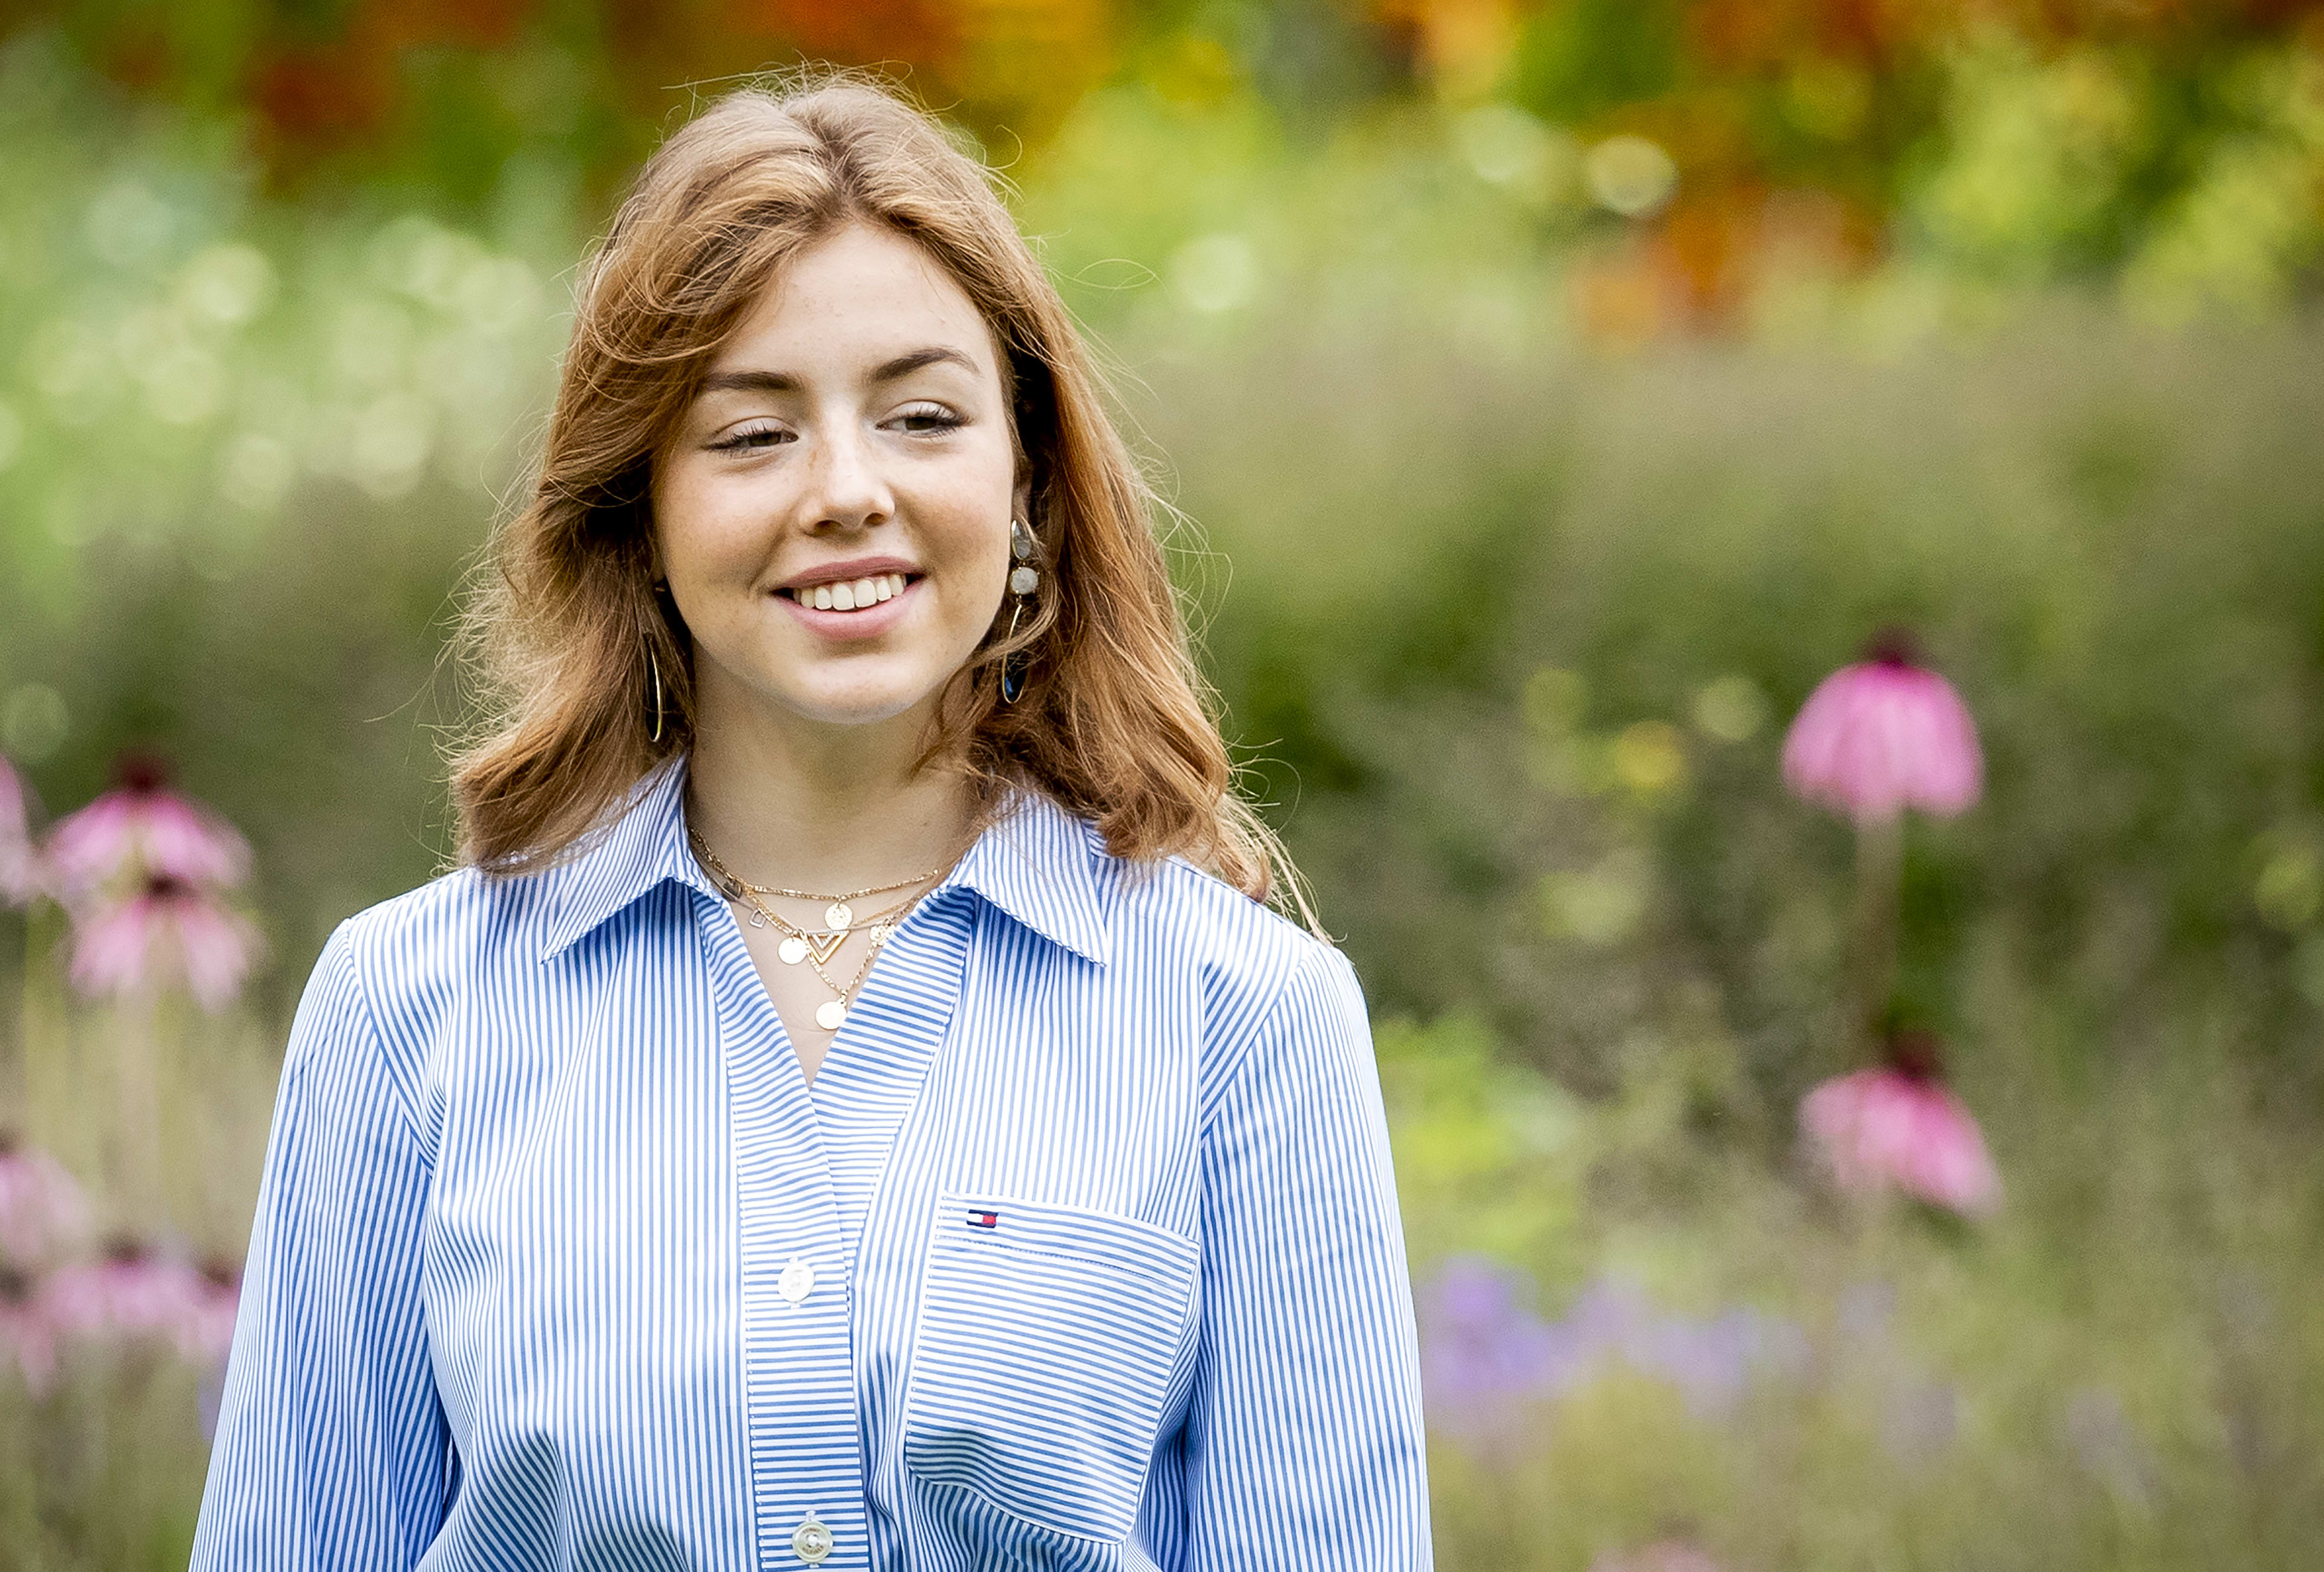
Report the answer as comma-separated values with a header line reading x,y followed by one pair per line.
x,y
1568,605
2125,1370
1509,578
104,1472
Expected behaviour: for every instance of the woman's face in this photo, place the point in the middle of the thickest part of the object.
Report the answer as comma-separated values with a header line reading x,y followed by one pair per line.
x,y
833,512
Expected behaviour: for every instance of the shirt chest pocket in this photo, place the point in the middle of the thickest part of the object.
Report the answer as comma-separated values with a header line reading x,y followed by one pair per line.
x,y
1043,1359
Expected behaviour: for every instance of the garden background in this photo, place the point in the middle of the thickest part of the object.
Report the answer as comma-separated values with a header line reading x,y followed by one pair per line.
x,y
1550,393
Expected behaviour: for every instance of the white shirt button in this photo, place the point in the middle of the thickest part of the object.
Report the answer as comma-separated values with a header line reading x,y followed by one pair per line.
x,y
797,1282
811,1541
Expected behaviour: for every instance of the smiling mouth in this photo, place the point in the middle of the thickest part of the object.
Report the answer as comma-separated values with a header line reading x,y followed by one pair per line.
x,y
852,594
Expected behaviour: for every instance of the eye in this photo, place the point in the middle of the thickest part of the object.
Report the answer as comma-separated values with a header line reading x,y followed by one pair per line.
x,y
760,434
925,417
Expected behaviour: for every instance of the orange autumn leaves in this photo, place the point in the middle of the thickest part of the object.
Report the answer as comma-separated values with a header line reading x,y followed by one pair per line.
x,y
1812,141
322,88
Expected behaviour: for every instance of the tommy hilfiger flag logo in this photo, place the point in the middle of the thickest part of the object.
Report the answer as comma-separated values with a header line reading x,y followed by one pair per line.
x,y
980,1218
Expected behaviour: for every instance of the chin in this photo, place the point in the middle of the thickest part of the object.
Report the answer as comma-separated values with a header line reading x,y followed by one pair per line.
x,y
856,702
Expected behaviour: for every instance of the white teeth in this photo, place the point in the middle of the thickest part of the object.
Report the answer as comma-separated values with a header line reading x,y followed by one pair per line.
x,y
852,597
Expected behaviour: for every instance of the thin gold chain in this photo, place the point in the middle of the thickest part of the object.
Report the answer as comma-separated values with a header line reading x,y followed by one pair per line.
x,y
881,927
870,954
733,889
880,923
712,858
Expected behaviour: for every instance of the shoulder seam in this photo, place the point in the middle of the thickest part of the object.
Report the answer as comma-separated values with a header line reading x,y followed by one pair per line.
x,y
1264,1020
345,942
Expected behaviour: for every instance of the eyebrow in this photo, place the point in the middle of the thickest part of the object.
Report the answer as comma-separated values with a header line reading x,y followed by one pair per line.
x,y
783,381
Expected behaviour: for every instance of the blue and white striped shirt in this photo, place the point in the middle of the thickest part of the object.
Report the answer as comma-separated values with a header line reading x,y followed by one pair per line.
x,y
1081,1252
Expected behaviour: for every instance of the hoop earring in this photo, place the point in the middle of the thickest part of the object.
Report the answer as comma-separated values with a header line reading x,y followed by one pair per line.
x,y
1023,580
655,667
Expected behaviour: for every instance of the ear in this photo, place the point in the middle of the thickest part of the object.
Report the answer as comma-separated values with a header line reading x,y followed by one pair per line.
x,y
1020,501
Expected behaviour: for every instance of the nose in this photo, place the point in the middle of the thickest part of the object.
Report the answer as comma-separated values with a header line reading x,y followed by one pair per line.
x,y
845,490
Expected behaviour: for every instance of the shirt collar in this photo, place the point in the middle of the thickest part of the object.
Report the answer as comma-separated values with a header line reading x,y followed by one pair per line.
x,y
1035,861
641,845
1038,862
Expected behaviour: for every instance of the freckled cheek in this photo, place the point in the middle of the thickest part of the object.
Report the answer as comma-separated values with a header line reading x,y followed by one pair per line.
x,y
964,538
968,582
715,536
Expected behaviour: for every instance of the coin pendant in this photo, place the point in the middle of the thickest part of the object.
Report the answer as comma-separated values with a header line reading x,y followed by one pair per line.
x,y
793,950
837,916
831,1016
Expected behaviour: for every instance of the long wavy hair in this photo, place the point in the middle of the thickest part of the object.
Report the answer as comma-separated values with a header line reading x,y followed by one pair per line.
x,y
585,662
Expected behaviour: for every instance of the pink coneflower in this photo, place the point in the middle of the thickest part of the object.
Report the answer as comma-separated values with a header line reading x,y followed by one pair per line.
x,y
142,826
130,1295
1662,1556
167,932
1897,1127
42,1211
1883,735
19,863
25,1336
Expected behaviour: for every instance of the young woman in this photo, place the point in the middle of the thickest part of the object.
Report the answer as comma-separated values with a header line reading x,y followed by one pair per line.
x,y
853,1109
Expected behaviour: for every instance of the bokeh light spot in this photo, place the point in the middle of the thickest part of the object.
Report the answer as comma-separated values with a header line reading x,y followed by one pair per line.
x,y
1730,709
1631,175
33,721
1214,273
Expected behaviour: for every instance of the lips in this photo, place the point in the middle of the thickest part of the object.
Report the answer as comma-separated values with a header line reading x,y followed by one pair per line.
x,y
848,602
855,583
858,594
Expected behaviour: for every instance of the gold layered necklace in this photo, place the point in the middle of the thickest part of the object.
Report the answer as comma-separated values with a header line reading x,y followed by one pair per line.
x,y
840,920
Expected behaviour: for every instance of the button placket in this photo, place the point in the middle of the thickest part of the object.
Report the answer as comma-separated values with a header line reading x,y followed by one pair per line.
x,y
798,1370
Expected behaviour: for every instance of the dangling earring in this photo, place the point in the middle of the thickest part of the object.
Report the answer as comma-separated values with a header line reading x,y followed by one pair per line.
x,y
659,589
1023,580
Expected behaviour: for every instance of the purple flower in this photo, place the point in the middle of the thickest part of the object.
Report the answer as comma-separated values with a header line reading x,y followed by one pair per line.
x,y
167,933
1481,1352
1897,1127
142,828
42,1211
1484,1357
133,1295
19,863
1881,737
1712,1362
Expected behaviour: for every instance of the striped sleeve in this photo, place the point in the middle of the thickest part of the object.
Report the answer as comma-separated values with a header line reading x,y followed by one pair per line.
x,y
1304,1440
331,1446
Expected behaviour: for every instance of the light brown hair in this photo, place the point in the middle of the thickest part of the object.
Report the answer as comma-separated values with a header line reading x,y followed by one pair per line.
x,y
567,624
